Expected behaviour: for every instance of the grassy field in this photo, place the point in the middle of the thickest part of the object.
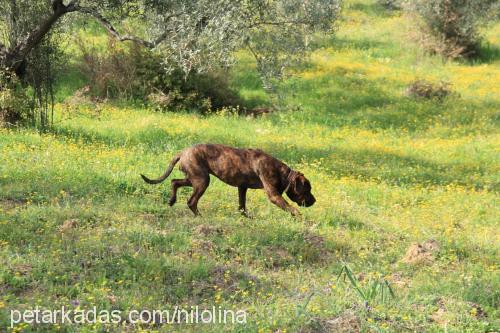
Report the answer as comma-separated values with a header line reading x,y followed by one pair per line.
x,y
79,228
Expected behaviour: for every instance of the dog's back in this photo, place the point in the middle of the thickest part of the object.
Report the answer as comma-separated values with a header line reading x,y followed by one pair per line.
x,y
233,166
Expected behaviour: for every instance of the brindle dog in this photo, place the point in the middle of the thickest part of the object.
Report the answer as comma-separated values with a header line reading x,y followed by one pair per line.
x,y
243,168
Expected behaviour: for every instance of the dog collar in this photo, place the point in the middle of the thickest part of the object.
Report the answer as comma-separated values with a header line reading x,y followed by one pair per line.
x,y
290,178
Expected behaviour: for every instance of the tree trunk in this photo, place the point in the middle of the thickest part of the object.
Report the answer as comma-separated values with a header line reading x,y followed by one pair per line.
x,y
13,59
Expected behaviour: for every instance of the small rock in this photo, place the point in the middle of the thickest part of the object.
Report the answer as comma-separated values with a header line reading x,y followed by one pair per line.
x,y
148,217
201,246
68,225
477,311
431,245
421,253
398,280
207,230
23,269
112,299
345,322
440,316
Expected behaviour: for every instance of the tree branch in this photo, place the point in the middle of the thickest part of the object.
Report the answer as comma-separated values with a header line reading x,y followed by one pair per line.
x,y
277,23
113,32
14,15
3,54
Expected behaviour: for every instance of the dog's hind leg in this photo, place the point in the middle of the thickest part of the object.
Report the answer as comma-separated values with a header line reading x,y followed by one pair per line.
x,y
199,186
176,183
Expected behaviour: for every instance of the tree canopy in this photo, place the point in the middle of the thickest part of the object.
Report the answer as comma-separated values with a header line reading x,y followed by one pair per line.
x,y
190,34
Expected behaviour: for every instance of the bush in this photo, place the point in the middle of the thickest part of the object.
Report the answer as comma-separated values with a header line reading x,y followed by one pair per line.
x,y
204,92
81,104
137,73
450,27
15,104
113,73
427,90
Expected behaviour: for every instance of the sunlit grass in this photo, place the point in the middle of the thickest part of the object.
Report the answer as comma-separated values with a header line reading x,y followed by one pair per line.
x,y
387,171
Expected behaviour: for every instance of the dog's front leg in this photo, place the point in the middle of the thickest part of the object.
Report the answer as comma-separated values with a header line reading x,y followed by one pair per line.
x,y
242,196
279,201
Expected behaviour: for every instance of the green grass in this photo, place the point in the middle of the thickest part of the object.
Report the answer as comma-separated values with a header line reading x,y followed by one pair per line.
x,y
388,171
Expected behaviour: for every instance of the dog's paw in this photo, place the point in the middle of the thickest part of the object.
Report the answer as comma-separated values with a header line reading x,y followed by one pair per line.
x,y
295,213
244,213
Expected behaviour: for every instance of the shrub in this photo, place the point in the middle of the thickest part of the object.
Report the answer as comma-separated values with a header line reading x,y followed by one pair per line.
x,y
81,104
15,104
137,73
204,92
113,73
450,27
427,90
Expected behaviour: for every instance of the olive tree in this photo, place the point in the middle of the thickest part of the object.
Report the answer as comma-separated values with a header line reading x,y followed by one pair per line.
x,y
189,34
451,27
192,34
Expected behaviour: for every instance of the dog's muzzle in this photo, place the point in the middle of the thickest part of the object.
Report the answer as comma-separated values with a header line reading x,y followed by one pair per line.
x,y
309,201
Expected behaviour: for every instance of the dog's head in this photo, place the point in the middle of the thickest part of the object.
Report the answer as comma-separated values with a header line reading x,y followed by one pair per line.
x,y
299,190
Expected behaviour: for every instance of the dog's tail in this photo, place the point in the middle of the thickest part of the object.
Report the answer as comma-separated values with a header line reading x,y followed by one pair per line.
x,y
166,174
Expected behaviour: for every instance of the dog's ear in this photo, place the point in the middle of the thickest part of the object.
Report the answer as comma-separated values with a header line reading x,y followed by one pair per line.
x,y
298,182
